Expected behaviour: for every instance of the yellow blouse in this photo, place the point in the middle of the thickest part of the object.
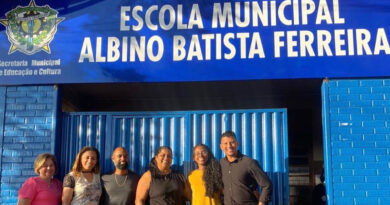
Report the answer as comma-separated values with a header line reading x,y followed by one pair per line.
x,y
199,190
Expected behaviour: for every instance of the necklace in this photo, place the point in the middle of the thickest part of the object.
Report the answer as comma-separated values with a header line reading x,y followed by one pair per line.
x,y
123,183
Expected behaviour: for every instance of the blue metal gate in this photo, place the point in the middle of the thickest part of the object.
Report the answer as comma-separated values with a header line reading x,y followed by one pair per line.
x,y
262,135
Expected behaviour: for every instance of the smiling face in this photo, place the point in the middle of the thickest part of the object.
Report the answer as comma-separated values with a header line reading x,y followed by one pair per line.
x,y
120,157
164,159
229,146
200,156
88,160
47,170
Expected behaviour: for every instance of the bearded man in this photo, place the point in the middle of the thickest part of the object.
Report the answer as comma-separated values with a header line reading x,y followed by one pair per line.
x,y
120,186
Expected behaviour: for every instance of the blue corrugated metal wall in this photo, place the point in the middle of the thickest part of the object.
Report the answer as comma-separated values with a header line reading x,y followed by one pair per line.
x,y
262,135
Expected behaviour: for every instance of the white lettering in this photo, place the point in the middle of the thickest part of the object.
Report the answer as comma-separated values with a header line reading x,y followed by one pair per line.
x,y
256,47
323,13
278,43
113,53
336,13
306,41
363,37
220,17
140,22
179,51
308,8
124,18
381,43
148,21
323,41
246,20
195,18
99,57
86,51
161,17
137,48
291,43
160,48
338,42
282,17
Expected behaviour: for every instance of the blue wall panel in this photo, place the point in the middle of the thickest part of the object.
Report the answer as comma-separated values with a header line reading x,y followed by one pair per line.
x,y
27,128
356,121
262,135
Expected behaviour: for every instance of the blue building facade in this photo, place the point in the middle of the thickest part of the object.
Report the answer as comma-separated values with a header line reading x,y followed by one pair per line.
x,y
115,41
357,140
355,124
28,128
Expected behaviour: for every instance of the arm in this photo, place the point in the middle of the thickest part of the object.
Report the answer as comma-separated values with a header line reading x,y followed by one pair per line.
x,y
67,191
104,192
258,197
134,187
143,188
187,191
263,181
24,201
67,195
27,192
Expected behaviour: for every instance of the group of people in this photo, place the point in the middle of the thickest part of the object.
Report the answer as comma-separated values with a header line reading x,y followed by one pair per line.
x,y
232,181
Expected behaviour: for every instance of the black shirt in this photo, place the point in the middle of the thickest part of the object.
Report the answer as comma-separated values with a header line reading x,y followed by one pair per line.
x,y
240,179
167,189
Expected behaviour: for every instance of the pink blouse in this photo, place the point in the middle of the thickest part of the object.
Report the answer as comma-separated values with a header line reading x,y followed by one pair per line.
x,y
40,192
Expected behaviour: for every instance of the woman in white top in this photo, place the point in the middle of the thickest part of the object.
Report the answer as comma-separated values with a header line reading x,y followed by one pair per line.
x,y
82,185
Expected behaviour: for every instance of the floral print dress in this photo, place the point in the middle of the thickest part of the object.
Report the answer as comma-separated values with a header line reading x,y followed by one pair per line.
x,y
84,192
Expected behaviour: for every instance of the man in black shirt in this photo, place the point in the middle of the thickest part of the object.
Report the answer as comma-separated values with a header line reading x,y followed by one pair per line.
x,y
119,187
241,175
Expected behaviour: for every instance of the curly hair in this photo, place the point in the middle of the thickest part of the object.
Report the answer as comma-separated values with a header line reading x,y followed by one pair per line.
x,y
212,175
153,165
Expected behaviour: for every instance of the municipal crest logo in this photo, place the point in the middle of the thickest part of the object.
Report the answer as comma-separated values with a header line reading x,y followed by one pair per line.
x,y
30,29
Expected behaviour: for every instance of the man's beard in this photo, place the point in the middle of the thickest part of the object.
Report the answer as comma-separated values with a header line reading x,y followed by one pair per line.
x,y
120,166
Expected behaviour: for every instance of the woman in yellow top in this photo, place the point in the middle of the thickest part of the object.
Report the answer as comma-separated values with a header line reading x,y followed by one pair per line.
x,y
206,180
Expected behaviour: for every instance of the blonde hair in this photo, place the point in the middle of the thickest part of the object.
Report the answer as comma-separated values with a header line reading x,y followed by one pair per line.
x,y
41,159
76,169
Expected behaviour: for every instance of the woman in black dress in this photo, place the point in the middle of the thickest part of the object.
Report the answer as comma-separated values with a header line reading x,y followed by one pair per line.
x,y
160,184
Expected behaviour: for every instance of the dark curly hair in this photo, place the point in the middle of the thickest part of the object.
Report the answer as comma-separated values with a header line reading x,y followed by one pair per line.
x,y
212,175
153,165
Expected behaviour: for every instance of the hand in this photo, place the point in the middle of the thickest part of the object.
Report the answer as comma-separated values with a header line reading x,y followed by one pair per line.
x,y
261,203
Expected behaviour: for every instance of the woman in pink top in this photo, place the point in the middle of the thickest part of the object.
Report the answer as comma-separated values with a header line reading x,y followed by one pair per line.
x,y
42,189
